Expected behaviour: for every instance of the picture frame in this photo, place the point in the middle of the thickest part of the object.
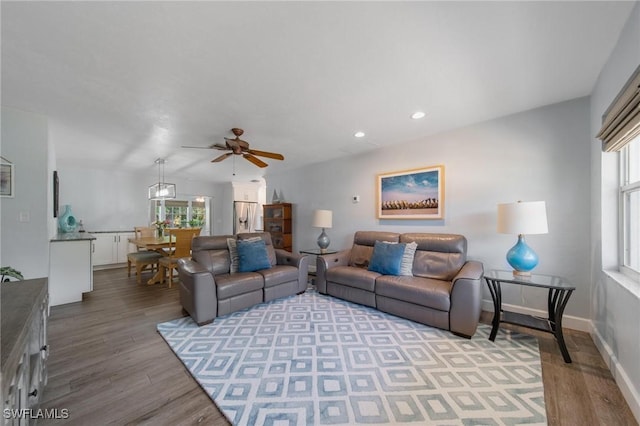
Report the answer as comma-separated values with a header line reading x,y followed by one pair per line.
x,y
56,193
7,180
411,194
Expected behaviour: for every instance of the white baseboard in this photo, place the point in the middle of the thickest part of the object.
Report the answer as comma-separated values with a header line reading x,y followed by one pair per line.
x,y
618,372
110,266
568,321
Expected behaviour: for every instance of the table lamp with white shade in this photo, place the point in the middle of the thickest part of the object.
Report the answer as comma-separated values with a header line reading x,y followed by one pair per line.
x,y
322,219
522,218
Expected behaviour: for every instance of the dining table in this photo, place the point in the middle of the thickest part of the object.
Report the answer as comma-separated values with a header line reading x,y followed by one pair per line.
x,y
157,244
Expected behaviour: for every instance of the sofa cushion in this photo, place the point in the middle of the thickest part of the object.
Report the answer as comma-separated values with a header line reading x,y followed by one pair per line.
x,y
406,267
353,277
387,258
233,252
279,274
230,285
264,236
438,256
252,256
212,253
427,292
363,242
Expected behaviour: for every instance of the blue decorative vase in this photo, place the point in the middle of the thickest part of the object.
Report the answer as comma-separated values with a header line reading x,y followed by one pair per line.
x,y
522,257
67,222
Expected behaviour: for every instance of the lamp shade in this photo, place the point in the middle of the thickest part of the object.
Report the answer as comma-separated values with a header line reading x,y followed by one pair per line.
x,y
322,219
523,218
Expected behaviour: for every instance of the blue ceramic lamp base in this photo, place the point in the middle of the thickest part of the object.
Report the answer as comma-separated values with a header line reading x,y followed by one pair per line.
x,y
522,258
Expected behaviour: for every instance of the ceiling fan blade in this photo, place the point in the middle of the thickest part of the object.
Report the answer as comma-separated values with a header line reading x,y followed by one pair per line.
x,y
267,154
219,146
258,162
198,147
222,157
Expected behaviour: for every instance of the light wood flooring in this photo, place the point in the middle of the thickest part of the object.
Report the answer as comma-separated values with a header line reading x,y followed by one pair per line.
x,y
109,365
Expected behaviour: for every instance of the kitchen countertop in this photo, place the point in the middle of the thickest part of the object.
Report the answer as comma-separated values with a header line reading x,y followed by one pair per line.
x,y
113,232
19,306
73,236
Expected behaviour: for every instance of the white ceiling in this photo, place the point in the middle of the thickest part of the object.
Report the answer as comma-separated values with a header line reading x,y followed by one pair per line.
x,y
124,83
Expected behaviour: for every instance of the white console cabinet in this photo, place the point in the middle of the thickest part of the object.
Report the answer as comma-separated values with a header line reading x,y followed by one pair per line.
x,y
24,348
111,247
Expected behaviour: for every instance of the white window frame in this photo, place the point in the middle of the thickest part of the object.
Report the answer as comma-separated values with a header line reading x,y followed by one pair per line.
x,y
626,239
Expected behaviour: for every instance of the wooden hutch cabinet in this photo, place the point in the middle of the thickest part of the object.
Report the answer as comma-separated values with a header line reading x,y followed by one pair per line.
x,y
277,221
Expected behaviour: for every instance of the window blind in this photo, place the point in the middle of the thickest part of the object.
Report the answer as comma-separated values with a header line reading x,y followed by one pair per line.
x,y
176,203
622,119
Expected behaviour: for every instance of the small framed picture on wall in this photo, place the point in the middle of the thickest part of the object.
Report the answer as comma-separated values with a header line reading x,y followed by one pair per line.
x,y
56,193
7,179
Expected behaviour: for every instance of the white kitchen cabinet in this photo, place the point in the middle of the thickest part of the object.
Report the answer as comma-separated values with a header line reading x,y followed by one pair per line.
x,y
70,268
111,247
245,192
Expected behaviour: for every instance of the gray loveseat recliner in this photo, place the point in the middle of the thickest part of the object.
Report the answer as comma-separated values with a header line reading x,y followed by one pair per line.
x,y
208,289
445,290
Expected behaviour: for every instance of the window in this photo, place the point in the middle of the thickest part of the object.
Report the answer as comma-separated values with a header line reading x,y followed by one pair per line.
x,y
183,213
620,133
630,208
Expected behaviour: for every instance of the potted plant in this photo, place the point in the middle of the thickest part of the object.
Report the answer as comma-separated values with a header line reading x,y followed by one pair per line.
x,y
8,272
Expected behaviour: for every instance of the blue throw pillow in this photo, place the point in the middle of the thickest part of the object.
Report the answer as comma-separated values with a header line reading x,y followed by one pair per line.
x,y
252,256
386,258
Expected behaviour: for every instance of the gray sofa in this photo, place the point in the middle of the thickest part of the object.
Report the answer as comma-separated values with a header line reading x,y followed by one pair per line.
x,y
445,290
208,289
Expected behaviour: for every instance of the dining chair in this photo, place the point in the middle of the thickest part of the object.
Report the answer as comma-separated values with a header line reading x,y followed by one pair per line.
x,y
180,246
142,259
144,231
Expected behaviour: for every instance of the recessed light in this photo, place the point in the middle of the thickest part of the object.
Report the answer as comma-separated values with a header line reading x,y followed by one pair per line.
x,y
417,115
359,134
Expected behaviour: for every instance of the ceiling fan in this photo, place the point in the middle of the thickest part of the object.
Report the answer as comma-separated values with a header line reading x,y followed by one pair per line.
x,y
239,147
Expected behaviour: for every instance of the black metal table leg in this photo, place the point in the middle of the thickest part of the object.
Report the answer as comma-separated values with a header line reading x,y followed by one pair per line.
x,y
559,293
557,303
496,295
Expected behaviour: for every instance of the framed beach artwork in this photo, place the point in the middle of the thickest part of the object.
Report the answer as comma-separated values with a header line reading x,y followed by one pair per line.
x,y
411,194
7,180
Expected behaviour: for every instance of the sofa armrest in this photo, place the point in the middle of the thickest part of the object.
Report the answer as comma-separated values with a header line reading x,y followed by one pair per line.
x,y
326,262
198,294
300,261
466,299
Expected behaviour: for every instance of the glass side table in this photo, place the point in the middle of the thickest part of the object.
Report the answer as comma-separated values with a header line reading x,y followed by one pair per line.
x,y
559,292
316,252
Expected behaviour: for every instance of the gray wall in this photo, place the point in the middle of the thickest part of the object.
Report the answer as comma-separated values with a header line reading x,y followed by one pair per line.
x,y
541,154
25,244
615,298
112,200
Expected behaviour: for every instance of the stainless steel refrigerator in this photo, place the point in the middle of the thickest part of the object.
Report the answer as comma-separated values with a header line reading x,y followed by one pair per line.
x,y
245,216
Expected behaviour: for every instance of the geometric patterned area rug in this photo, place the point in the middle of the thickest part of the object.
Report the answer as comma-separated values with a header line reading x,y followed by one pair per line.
x,y
317,360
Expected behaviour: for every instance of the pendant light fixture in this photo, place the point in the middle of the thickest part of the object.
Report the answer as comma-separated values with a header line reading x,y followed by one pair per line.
x,y
162,190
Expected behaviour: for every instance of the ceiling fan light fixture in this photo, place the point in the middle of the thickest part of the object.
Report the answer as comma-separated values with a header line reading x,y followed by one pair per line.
x,y
237,146
418,115
359,134
162,190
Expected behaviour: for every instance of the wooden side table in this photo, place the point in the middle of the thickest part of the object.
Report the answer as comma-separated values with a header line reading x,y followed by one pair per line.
x,y
559,292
